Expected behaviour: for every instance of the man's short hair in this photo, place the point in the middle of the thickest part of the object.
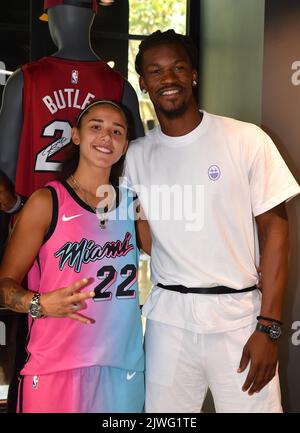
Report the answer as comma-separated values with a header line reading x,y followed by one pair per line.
x,y
167,37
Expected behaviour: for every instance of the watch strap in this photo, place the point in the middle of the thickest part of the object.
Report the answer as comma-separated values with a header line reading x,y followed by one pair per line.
x,y
269,319
35,307
274,331
262,328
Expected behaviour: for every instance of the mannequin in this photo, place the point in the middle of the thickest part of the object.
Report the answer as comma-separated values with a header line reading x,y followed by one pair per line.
x,y
69,26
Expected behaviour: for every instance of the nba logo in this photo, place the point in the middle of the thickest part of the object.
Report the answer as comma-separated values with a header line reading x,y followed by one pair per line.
x,y
74,77
35,381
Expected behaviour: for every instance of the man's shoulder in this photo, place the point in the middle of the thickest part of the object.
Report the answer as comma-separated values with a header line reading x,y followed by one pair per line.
x,y
238,131
233,124
139,144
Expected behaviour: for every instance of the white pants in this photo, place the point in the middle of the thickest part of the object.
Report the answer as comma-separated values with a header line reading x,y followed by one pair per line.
x,y
181,365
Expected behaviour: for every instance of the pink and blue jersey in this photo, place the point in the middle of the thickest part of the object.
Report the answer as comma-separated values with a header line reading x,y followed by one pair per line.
x,y
76,247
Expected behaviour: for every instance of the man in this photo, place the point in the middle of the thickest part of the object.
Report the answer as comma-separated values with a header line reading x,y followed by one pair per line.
x,y
207,324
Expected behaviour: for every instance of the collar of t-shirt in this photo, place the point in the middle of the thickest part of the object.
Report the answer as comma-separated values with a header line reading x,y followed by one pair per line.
x,y
186,139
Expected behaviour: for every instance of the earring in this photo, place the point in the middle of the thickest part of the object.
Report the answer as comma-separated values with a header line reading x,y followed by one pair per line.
x,y
194,83
144,91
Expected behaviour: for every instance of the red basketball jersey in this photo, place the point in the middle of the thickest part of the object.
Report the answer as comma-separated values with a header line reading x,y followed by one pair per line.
x,y
55,91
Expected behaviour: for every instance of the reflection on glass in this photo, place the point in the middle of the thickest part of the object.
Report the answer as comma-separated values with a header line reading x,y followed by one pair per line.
x,y
146,108
147,16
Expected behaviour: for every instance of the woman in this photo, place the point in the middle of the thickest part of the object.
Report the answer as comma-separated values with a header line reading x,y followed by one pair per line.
x,y
92,362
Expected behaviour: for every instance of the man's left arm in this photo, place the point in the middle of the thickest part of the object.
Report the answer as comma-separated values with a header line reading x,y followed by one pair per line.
x,y
260,350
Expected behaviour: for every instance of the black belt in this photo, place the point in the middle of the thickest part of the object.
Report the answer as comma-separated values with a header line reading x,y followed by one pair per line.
x,y
218,290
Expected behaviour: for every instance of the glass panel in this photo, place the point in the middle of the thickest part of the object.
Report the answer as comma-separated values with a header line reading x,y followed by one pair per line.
x,y
144,18
147,16
146,108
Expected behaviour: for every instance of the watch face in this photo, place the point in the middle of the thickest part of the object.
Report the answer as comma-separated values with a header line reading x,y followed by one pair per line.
x,y
275,331
34,310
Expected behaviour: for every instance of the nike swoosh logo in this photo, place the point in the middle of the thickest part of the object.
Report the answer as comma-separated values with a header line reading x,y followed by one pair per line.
x,y
131,375
65,218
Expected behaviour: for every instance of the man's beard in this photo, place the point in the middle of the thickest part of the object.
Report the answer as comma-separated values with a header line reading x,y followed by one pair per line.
x,y
174,113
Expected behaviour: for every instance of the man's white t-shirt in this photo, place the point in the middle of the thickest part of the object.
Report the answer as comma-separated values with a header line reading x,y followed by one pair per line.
x,y
201,193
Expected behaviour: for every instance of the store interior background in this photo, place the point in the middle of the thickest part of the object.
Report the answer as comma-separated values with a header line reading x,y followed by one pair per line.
x,y
249,68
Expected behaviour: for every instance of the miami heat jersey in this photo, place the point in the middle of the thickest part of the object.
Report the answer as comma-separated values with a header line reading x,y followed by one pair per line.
x,y
55,91
76,247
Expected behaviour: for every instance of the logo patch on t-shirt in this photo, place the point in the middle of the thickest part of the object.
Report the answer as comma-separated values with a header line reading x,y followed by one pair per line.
x,y
214,173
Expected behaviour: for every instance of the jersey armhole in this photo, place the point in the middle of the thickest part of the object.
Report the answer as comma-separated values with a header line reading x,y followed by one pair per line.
x,y
54,214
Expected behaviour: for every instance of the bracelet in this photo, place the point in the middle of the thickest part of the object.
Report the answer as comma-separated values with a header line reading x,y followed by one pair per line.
x,y
269,319
16,206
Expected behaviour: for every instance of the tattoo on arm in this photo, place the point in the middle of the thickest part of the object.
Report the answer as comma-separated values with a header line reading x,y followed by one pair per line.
x,y
13,296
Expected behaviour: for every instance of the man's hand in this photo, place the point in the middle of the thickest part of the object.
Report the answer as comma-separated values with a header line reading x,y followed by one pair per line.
x,y
67,301
7,196
262,353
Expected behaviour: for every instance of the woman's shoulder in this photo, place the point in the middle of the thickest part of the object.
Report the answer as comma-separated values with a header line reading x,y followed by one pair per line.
x,y
39,205
40,197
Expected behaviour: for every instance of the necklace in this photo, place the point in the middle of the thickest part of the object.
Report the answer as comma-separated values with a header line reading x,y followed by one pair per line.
x,y
100,211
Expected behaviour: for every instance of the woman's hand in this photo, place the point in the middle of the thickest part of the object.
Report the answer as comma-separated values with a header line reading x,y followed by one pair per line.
x,y
67,301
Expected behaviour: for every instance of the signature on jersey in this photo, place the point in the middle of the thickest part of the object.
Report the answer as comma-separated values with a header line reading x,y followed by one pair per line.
x,y
54,147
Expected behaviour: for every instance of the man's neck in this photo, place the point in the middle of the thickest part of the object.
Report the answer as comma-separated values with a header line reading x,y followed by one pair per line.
x,y
182,125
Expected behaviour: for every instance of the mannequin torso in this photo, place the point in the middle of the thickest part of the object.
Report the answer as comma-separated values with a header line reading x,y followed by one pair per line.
x,y
69,27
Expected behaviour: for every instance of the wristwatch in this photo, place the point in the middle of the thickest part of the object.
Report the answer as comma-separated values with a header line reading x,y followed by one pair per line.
x,y
35,309
274,331
17,206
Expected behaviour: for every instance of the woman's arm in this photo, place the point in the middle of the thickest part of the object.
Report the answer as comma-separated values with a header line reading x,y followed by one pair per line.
x,y
27,237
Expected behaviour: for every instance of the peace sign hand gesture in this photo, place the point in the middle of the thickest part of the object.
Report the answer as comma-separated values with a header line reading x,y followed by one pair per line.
x,y
65,302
